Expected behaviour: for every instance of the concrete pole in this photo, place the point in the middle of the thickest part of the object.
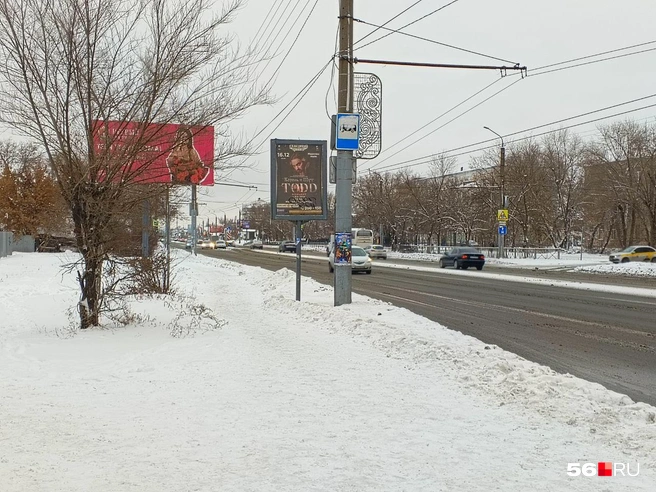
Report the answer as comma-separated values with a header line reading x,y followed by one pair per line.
x,y
344,171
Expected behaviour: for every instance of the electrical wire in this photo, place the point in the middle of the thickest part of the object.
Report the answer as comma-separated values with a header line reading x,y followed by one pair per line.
x,y
398,31
387,22
592,62
298,35
301,93
448,122
436,119
266,41
586,57
408,24
533,74
450,151
264,21
283,28
332,76
309,87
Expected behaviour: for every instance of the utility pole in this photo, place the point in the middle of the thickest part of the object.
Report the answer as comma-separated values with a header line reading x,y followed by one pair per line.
x,y
344,171
502,183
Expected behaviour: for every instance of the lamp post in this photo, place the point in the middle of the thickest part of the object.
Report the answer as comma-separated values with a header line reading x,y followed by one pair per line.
x,y
502,178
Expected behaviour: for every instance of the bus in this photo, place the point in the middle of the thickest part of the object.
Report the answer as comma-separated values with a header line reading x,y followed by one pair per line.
x,y
362,237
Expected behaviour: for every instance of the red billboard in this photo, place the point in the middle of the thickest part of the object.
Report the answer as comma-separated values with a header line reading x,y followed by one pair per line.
x,y
165,153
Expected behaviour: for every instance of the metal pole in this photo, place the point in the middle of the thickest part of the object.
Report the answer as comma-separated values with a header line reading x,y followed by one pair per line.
x,y
194,213
145,229
344,171
167,272
298,259
502,178
502,171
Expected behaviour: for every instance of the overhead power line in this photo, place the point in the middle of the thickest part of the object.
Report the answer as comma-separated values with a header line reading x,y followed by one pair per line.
x,y
407,25
387,22
586,57
427,158
398,31
534,74
447,123
298,35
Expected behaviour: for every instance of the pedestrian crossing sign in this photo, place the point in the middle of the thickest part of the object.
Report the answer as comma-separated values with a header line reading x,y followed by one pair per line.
x,y
502,215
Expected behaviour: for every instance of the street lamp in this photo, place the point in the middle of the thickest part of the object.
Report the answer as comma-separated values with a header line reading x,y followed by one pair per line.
x,y
502,178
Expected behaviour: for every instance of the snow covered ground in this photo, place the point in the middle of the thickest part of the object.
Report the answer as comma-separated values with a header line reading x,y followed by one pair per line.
x,y
231,385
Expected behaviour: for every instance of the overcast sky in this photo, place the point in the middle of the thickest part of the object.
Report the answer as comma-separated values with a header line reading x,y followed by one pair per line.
x,y
530,33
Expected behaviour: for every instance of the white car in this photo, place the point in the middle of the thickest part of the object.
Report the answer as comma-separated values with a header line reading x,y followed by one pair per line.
x,y
221,244
360,261
206,244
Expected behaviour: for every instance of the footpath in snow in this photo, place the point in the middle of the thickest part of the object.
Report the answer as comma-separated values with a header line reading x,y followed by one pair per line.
x,y
231,385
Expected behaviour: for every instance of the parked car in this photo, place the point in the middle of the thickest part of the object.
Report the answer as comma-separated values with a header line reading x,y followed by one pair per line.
x,y
287,245
634,253
463,257
221,244
376,251
256,244
360,261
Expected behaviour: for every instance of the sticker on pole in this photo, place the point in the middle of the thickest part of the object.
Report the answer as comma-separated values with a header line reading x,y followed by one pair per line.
x,y
348,131
342,248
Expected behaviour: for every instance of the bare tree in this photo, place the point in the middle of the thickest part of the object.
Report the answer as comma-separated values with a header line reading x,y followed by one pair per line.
x,y
69,63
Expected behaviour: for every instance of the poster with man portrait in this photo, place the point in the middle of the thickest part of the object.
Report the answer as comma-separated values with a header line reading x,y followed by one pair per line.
x,y
299,180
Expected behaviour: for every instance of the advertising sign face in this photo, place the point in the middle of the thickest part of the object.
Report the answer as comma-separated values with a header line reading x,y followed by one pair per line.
x,y
298,180
158,153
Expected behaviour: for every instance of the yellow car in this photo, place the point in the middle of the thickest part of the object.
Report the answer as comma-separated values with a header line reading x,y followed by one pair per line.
x,y
634,253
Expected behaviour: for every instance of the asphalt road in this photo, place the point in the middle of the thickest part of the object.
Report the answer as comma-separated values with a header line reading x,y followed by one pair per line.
x,y
606,338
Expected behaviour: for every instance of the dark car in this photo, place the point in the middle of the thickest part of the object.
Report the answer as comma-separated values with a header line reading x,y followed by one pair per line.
x,y
463,258
287,245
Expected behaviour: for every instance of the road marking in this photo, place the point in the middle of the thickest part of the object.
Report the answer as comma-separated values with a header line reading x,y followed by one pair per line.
x,y
526,311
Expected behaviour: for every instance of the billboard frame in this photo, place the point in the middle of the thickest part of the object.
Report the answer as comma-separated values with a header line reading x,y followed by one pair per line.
x,y
323,180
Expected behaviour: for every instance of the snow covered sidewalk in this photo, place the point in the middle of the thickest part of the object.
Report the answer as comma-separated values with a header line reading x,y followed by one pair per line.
x,y
286,396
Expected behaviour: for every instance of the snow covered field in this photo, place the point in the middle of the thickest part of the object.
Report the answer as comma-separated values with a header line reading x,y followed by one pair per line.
x,y
231,385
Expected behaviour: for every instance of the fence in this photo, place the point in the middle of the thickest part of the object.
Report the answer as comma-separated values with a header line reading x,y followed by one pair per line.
x,y
5,243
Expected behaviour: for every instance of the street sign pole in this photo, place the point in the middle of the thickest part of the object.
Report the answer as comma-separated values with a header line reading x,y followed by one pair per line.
x,y
299,232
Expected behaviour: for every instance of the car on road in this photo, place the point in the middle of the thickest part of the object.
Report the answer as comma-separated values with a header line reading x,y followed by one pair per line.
x,y
206,244
188,244
221,244
463,258
376,251
360,261
287,245
634,253
256,244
